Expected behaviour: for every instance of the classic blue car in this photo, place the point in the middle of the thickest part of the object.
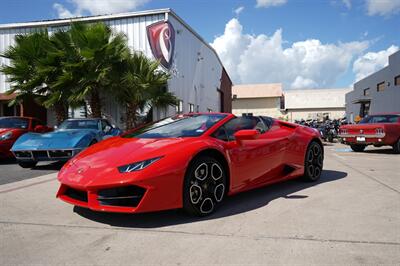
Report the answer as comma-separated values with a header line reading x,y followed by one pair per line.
x,y
70,138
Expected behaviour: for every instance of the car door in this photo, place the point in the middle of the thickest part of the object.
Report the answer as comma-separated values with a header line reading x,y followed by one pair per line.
x,y
253,162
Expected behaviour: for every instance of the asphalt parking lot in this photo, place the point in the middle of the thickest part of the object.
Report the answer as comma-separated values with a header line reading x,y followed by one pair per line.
x,y
351,216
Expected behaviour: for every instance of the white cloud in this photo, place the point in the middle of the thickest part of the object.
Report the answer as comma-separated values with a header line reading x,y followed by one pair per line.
x,y
269,3
261,58
97,7
372,62
383,7
239,10
347,3
63,12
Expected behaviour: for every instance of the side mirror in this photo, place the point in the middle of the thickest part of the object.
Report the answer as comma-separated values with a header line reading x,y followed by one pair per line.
x,y
39,129
247,134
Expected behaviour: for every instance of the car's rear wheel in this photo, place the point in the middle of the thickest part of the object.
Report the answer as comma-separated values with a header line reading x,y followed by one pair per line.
x,y
29,164
204,186
313,162
396,147
358,147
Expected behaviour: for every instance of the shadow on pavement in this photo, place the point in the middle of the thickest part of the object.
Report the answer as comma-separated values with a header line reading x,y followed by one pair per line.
x,y
56,166
381,151
240,203
6,161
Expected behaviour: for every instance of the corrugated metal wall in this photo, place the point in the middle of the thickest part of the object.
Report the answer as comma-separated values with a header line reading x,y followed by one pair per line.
x,y
196,70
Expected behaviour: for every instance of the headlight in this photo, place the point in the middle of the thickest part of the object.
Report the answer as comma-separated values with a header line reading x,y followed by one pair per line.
x,y
137,166
8,135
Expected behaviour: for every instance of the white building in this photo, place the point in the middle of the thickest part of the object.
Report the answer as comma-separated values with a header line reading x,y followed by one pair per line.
x,y
377,93
315,104
199,79
257,99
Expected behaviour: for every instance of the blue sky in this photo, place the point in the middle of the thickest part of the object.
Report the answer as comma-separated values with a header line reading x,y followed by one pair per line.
x,y
289,35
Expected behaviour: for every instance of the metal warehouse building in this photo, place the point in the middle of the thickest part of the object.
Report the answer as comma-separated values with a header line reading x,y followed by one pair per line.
x,y
377,93
198,77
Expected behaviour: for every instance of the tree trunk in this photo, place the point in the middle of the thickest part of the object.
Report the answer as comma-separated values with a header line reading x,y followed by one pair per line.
x,y
61,112
131,118
95,104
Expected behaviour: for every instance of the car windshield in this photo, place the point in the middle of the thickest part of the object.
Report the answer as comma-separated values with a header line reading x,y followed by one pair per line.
x,y
380,119
79,124
179,126
13,122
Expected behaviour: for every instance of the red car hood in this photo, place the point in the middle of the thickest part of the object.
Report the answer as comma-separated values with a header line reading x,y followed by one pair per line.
x,y
4,130
98,164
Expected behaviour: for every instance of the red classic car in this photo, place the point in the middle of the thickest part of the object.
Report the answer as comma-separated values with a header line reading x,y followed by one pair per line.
x,y
12,127
378,130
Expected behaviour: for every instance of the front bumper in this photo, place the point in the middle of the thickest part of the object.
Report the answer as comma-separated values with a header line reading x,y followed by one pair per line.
x,y
45,155
143,193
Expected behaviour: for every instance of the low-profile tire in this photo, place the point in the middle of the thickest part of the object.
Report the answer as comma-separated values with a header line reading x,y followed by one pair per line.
x,y
396,147
358,147
204,187
313,162
29,164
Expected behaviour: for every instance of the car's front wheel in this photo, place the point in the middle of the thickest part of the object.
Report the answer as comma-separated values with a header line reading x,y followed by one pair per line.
x,y
28,164
205,186
313,162
358,147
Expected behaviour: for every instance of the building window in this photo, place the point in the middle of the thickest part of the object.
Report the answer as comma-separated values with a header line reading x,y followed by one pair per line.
x,y
380,86
198,108
366,92
179,107
364,109
191,107
397,81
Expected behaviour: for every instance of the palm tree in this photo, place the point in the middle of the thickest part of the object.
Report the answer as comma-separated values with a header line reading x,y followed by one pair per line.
x,y
143,87
92,73
22,73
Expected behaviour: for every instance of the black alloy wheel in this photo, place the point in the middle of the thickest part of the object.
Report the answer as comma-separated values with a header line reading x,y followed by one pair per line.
x,y
313,162
204,186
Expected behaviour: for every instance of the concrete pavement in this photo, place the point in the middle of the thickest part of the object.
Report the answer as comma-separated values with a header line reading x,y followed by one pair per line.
x,y
351,216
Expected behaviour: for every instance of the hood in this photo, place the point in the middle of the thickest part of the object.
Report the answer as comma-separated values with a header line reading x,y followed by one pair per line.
x,y
5,130
99,163
119,151
60,139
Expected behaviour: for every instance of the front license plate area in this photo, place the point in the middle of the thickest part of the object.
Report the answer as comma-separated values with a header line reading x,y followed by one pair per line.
x,y
360,139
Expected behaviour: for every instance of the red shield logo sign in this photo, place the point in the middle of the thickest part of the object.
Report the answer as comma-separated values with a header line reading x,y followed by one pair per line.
x,y
161,37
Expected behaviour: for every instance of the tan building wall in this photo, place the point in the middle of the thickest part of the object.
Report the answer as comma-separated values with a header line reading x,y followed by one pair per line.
x,y
298,114
258,106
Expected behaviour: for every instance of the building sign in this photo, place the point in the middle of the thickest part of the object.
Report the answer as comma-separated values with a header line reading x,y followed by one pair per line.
x,y
161,37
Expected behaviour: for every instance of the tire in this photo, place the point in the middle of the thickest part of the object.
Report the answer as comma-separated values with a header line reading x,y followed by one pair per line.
x,y
204,187
396,147
358,147
29,164
314,161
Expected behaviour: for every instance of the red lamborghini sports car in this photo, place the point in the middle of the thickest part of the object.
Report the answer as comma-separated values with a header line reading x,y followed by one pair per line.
x,y
189,161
